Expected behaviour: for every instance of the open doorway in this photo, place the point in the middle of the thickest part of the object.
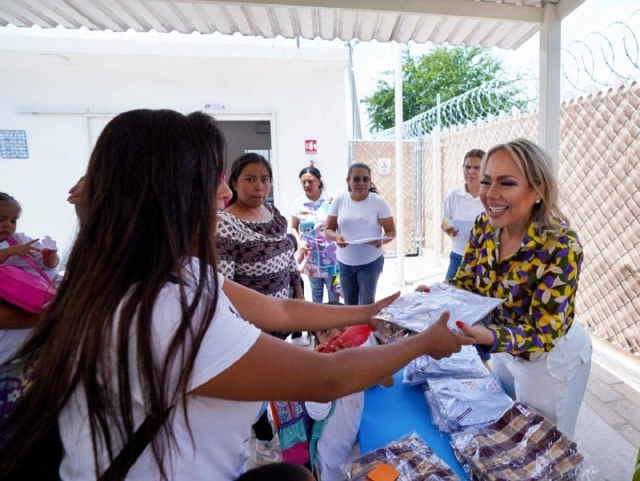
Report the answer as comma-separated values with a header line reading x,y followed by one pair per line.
x,y
244,136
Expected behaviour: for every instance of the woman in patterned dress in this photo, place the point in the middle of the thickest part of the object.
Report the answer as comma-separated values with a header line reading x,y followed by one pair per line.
x,y
308,221
254,250
522,250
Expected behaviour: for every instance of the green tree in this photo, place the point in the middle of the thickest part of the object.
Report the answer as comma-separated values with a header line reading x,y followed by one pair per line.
x,y
447,71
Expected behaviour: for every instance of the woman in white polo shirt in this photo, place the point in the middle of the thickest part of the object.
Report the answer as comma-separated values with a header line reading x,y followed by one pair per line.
x,y
360,214
462,204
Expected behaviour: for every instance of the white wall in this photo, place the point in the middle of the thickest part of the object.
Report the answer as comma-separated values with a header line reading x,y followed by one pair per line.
x,y
53,87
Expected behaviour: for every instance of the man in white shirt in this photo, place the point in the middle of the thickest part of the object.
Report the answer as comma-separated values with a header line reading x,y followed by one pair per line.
x,y
461,206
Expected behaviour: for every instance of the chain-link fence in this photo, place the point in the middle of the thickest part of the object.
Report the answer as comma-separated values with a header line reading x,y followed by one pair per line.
x,y
380,157
599,172
599,168
600,186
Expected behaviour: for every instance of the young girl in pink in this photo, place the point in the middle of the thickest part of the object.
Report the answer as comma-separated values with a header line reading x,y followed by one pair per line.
x,y
14,249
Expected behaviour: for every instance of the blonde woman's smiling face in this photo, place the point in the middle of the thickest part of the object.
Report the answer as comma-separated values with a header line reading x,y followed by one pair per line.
x,y
506,195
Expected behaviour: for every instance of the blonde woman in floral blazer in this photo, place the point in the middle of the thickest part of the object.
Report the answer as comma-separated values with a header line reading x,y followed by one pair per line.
x,y
522,250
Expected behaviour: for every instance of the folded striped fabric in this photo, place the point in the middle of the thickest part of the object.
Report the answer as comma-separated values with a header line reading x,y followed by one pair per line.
x,y
522,445
410,456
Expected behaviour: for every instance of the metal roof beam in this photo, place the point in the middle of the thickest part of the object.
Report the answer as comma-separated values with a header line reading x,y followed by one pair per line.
x,y
565,7
450,8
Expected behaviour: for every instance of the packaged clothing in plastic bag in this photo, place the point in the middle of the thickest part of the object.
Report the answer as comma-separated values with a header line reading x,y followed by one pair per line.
x,y
522,445
463,364
409,456
389,332
416,311
461,404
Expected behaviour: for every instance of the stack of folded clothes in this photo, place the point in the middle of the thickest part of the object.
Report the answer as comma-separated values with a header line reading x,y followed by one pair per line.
x,y
462,404
463,364
409,456
522,445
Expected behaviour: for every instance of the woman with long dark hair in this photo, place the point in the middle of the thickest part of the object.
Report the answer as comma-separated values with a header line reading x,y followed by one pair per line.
x,y
145,346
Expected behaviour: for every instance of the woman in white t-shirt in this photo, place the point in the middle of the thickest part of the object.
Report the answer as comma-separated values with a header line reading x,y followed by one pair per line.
x,y
145,348
358,215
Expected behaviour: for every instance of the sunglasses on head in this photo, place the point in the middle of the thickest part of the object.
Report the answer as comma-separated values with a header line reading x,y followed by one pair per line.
x,y
357,179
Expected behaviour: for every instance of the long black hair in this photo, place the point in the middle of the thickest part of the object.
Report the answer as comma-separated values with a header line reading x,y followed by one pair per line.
x,y
149,203
360,165
238,166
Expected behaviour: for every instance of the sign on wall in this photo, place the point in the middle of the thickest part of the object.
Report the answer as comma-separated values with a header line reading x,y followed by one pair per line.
x,y
310,146
384,166
13,144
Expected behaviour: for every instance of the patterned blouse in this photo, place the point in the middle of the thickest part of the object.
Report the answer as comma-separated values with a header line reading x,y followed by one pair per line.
x,y
538,282
313,219
257,255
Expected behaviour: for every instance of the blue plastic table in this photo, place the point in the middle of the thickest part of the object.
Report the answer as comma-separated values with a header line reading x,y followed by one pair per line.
x,y
390,413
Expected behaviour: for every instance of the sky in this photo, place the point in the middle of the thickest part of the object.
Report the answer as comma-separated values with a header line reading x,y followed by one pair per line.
x,y
371,59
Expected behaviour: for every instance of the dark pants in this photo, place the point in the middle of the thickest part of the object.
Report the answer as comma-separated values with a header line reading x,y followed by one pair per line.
x,y
262,428
484,356
359,283
454,263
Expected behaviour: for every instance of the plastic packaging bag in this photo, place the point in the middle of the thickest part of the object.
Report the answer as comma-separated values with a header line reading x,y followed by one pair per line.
x,y
462,404
416,311
409,455
463,364
522,445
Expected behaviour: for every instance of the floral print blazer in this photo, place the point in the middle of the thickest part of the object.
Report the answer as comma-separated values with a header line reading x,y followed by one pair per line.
x,y
538,282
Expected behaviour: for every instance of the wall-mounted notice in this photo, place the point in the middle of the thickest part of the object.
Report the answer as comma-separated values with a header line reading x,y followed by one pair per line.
x,y
13,144
384,166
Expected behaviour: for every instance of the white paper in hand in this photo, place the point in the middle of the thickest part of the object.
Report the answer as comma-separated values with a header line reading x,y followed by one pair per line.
x,y
462,226
416,311
368,239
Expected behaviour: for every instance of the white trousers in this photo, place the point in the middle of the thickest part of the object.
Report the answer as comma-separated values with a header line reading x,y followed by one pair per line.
x,y
553,384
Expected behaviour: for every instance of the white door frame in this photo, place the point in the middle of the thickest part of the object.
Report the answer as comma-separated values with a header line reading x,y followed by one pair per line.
x,y
222,117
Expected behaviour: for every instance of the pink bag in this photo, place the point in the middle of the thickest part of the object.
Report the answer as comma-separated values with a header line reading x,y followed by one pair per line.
x,y
22,289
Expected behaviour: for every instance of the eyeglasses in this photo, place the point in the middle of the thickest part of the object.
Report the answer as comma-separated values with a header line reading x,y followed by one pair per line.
x,y
357,179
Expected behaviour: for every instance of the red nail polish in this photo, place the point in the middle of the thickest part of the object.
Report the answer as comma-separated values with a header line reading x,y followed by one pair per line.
x,y
460,324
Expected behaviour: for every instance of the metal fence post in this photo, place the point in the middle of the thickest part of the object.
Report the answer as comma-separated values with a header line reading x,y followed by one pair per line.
x,y
437,188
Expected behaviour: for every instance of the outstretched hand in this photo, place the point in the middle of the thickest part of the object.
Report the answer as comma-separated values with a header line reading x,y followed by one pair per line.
x,y
441,342
27,249
479,333
377,307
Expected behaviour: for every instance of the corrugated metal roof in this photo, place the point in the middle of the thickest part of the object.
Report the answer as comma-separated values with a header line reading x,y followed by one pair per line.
x,y
500,23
